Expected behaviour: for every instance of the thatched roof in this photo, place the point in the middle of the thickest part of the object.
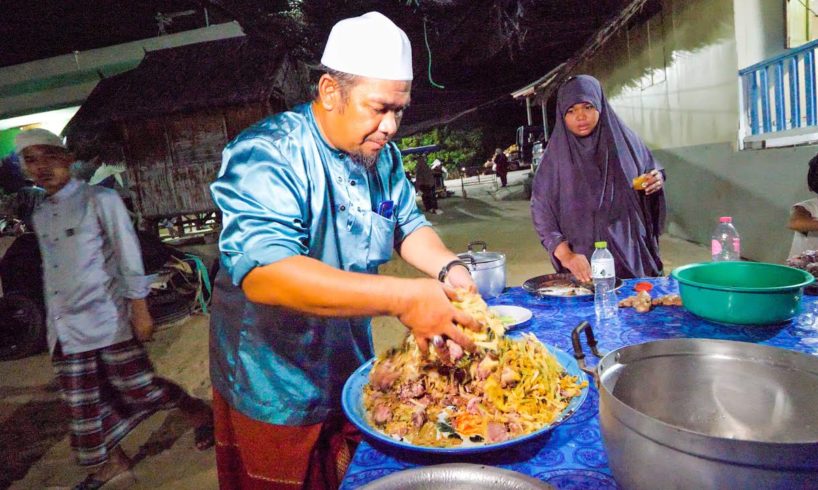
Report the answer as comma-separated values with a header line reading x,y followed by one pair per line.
x,y
227,72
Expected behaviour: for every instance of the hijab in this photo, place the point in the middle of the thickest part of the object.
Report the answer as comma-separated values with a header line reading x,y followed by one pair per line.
x,y
582,190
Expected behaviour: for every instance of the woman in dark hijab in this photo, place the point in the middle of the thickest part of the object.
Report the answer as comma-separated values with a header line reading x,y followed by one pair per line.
x,y
586,188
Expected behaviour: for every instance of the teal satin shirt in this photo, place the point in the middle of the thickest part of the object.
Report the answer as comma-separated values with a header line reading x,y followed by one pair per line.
x,y
284,191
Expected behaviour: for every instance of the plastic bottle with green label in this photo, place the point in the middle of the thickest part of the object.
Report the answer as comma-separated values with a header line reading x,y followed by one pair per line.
x,y
604,275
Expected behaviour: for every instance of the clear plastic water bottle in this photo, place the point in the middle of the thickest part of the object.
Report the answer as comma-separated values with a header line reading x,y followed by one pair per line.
x,y
725,243
604,276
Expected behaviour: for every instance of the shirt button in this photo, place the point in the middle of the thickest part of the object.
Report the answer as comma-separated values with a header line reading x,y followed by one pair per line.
x,y
56,266
352,182
339,179
56,293
342,207
58,317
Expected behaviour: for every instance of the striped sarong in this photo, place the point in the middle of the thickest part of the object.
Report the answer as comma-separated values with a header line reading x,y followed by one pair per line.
x,y
108,392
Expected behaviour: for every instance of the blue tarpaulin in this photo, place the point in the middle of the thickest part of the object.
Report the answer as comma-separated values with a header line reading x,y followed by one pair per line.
x,y
420,150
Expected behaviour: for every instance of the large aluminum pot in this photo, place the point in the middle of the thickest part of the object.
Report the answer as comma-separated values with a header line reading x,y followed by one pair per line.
x,y
488,269
703,413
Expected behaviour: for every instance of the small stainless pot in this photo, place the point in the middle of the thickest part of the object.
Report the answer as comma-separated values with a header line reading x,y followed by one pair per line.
x,y
488,269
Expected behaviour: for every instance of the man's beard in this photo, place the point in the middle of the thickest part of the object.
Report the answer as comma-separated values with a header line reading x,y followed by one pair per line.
x,y
368,161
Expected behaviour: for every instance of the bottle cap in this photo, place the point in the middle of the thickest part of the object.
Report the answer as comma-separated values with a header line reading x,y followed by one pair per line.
x,y
600,244
725,219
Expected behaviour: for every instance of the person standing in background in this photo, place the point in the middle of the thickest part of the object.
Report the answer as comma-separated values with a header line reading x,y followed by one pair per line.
x,y
804,216
500,161
97,316
425,182
597,182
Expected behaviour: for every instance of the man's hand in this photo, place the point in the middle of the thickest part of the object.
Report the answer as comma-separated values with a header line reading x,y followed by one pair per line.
x,y
428,311
141,321
459,277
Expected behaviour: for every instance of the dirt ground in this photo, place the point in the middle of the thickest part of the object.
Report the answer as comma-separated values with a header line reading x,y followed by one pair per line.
x,y
34,450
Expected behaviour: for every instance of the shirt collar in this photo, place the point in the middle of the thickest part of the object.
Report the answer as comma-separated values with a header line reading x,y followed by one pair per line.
x,y
317,132
66,192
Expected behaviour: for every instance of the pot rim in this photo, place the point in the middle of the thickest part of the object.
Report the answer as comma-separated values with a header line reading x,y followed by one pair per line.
x,y
690,441
485,257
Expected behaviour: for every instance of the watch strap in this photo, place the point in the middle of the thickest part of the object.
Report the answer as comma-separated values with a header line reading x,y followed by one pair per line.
x,y
441,276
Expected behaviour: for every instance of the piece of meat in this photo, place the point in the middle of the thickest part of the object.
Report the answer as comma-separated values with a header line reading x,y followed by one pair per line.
x,y
509,377
384,375
485,367
381,414
496,432
419,417
473,406
415,389
455,351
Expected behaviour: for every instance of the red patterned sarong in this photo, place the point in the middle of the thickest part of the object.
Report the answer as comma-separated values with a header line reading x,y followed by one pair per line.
x,y
108,392
253,455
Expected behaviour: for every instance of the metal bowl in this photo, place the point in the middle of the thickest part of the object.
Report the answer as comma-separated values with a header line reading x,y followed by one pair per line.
x,y
352,401
457,476
707,414
743,293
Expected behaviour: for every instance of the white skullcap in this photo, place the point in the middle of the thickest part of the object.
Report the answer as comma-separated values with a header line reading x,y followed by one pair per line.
x,y
370,46
36,136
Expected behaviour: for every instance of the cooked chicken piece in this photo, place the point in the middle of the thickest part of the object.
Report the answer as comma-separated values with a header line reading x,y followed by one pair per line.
x,y
382,414
384,375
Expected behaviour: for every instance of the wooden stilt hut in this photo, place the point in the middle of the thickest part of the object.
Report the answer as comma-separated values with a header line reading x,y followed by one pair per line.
x,y
169,118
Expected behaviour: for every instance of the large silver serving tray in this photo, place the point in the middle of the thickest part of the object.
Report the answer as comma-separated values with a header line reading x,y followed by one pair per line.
x,y
457,476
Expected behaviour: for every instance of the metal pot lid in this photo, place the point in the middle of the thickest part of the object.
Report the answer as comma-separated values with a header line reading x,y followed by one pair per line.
x,y
482,256
457,476
734,391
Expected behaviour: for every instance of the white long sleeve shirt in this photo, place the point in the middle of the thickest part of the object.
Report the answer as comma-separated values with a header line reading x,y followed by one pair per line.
x,y
92,264
801,242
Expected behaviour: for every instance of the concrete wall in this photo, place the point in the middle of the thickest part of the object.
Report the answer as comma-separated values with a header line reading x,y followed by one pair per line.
x,y
755,187
760,30
674,79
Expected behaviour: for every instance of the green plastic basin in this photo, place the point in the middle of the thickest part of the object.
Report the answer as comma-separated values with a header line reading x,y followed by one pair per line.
x,y
743,293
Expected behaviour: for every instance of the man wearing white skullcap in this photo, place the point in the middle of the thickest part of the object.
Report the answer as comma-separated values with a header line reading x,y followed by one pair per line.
x,y
95,287
313,201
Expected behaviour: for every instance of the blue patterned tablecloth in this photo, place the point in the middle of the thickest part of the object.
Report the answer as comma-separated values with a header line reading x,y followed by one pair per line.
x,y
572,455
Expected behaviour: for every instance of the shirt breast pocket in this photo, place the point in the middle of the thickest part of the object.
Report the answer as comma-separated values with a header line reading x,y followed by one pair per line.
x,y
381,241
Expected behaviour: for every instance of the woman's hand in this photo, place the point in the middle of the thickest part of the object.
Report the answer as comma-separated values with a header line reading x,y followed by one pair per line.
x,y
576,263
579,266
654,182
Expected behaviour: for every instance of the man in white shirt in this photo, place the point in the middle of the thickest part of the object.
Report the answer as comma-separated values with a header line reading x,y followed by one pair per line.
x,y
97,316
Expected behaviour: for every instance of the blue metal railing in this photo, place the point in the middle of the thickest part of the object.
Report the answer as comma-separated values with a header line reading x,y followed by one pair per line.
x,y
779,93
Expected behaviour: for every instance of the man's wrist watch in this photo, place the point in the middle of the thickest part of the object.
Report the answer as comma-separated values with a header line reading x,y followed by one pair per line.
x,y
441,276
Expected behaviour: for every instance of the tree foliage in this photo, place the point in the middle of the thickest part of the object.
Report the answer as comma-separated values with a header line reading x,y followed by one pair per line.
x,y
458,147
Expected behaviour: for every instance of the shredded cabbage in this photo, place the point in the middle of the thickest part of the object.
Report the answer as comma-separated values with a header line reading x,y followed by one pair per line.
x,y
506,388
